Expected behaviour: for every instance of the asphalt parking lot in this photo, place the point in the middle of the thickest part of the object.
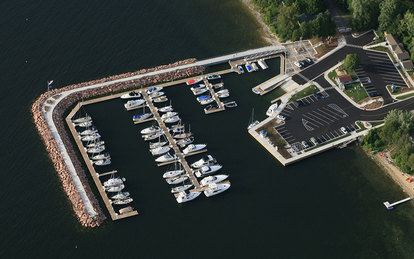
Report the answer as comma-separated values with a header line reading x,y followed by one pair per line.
x,y
293,55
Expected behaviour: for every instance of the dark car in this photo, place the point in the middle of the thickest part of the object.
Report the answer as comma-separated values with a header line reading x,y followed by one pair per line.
x,y
299,103
373,94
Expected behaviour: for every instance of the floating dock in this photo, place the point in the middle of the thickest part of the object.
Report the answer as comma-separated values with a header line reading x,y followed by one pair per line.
x,y
392,205
215,97
270,84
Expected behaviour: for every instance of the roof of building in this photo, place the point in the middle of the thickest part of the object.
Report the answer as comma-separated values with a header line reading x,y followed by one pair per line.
x,y
408,64
403,56
391,40
345,78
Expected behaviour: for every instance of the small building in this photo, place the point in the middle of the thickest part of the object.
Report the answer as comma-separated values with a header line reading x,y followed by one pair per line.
x,y
408,65
343,80
399,52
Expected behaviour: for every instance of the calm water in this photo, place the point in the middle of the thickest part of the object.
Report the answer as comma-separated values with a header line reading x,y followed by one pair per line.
x,y
327,206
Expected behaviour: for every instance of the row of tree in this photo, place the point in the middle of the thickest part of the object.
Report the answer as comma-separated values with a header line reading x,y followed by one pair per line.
x,y
395,136
295,19
392,16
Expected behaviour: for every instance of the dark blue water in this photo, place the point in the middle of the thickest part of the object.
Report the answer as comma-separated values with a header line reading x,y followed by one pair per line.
x,y
327,206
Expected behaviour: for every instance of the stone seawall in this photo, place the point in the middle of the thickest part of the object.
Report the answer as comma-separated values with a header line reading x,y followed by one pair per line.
x,y
51,145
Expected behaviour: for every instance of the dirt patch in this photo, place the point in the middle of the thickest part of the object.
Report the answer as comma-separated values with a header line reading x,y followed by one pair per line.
x,y
275,138
372,106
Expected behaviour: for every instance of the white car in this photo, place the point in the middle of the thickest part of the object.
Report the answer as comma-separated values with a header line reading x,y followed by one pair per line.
x,y
281,117
297,64
344,130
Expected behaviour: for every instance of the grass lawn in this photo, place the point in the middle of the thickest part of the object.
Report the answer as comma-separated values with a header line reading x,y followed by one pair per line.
x,y
332,75
323,49
405,96
396,91
376,123
361,126
305,92
385,49
275,138
356,92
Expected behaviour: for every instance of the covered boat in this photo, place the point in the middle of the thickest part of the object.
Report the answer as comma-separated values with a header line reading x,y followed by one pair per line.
x,y
141,117
205,170
186,195
134,103
122,201
120,195
193,148
131,95
216,188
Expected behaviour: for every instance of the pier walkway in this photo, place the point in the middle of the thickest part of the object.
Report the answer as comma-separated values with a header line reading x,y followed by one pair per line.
x,y
170,139
215,97
392,205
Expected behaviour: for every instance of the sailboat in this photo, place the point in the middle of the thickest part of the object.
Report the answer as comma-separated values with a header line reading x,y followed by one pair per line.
x,y
174,172
167,108
182,134
82,119
252,122
181,188
105,161
141,117
185,141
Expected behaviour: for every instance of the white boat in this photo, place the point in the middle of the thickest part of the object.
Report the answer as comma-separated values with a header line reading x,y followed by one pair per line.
x,y
181,188
200,98
193,148
205,161
122,201
177,179
223,91
141,117
241,70
114,181
206,101
216,188
180,133
199,91
262,64
159,151
155,95
101,156
173,173
151,129
166,158
95,144
134,103
153,90
194,81
205,170
197,87
160,99
271,111
115,188
213,179
85,124
120,195
153,136
248,67
158,144
184,142
88,132
105,161
168,108
223,94
186,195
255,67
168,114
252,122
97,149
177,129
172,119
92,137
83,119
131,95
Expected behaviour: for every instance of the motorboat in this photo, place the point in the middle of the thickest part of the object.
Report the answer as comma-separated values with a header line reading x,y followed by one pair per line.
x,y
248,67
184,142
101,156
151,129
177,179
168,108
126,210
262,64
88,132
223,94
159,151
193,148
156,94
216,188
97,149
218,86
230,104
95,144
82,119
153,136
194,81
105,161
166,158
120,195
168,114
186,195
114,181
205,161
85,124
205,170
172,119
212,77
153,90
134,103
181,188
213,179
206,101
211,107
122,201
241,70
222,91
254,66
131,95
141,117
272,110
203,97
177,129
160,99
252,122
92,137
180,133
115,188
197,87
198,91
173,173
158,144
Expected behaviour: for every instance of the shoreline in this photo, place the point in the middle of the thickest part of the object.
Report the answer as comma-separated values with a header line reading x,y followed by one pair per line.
x,y
266,32
392,171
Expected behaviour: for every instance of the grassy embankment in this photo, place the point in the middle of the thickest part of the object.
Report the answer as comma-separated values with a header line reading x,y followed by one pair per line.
x,y
275,138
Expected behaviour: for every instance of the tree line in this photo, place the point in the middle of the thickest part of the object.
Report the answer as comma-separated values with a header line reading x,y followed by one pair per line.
x,y
395,135
295,19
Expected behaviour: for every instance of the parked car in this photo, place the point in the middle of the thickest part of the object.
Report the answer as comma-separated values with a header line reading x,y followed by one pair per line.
x,y
281,117
344,130
308,59
305,144
297,63
314,141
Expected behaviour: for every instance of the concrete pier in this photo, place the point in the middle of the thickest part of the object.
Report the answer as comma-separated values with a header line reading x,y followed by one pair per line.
x,y
215,97
392,205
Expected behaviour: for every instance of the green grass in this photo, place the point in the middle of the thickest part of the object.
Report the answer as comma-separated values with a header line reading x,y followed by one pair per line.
x,y
356,92
376,123
361,126
396,91
330,141
332,76
405,96
385,49
305,92
323,49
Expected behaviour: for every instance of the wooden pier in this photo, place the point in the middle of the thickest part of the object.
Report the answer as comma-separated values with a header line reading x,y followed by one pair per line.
x,y
136,107
149,119
108,173
94,174
392,205
215,97
171,140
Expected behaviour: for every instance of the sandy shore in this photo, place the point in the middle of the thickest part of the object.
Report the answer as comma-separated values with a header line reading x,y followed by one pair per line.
x,y
394,172
267,34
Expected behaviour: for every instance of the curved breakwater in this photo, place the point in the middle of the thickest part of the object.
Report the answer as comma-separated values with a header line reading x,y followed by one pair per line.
x,y
52,147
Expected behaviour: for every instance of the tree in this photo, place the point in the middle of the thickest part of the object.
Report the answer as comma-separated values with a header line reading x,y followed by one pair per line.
x,y
364,14
351,62
389,9
287,22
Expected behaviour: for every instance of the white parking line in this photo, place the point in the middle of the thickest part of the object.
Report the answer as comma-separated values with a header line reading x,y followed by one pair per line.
x,y
333,117
332,133
322,115
317,119
311,119
333,112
